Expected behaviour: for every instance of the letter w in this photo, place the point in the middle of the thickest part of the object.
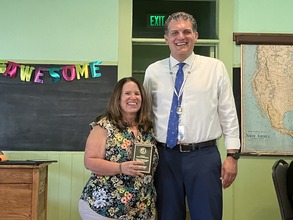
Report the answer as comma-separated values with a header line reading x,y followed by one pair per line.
x,y
26,73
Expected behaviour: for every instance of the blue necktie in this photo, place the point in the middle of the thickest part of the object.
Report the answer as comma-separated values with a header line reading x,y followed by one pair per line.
x,y
172,133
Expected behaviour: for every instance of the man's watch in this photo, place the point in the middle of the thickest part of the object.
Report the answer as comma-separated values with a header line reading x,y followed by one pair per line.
x,y
235,155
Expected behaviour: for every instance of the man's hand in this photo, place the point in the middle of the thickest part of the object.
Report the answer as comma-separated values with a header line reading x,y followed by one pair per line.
x,y
229,171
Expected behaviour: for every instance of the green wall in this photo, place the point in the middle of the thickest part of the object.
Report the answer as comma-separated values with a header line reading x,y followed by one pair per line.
x,y
261,16
76,30
254,197
62,30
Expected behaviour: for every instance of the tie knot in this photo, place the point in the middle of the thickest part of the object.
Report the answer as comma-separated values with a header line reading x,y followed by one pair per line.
x,y
181,65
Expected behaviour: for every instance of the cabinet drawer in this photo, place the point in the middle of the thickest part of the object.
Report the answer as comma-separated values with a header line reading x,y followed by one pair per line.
x,y
8,175
18,196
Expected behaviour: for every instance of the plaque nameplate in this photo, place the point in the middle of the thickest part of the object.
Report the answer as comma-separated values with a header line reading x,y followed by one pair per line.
x,y
144,152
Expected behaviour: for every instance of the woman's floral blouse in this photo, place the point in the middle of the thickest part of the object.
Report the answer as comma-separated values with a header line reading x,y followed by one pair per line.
x,y
122,196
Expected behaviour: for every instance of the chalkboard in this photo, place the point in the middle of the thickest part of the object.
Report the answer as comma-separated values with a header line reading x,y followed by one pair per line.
x,y
51,116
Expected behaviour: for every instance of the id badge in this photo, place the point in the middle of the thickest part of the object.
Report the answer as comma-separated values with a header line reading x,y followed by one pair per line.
x,y
180,133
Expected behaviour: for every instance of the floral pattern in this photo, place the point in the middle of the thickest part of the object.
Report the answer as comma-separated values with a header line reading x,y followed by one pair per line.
x,y
122,196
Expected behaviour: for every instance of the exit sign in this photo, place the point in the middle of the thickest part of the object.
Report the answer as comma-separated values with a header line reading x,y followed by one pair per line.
x,y
156,20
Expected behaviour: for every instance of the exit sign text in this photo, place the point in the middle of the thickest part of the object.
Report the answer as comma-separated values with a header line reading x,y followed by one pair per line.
x,y
156,20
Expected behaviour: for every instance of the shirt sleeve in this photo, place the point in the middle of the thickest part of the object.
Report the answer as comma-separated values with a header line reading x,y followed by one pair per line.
x,y
227,111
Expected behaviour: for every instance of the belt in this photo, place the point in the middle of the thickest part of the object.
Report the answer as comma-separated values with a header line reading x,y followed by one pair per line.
x,y
188,147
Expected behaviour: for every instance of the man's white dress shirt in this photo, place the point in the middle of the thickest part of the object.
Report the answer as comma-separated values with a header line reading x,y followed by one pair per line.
x,y
208,108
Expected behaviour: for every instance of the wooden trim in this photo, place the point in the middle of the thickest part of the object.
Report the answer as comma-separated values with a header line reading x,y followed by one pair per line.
x,y
263,38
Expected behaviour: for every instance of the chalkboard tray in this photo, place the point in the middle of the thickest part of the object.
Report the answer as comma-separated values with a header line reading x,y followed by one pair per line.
x,y
26,162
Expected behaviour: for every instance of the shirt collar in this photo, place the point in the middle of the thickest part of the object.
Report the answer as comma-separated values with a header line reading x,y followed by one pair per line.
x,y
188,61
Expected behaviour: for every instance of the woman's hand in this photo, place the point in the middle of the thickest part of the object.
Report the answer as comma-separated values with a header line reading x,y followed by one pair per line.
x,y
132,168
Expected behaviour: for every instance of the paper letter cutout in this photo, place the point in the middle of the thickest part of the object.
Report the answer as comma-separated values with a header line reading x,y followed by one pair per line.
x,y
94,67
11,69
68,76
39,75
53,73
26,73
82,70
2,66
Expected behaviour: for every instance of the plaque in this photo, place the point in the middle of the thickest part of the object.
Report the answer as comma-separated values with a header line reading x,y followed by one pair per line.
x,y
144,152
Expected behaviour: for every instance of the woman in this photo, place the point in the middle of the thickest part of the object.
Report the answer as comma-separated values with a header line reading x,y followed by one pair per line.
x,y
116,188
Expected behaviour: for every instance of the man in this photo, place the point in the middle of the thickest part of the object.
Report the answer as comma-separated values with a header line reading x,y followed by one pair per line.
x,y
190,167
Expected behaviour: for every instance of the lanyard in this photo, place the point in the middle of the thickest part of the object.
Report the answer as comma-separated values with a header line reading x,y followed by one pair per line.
x,y
180,90
179,94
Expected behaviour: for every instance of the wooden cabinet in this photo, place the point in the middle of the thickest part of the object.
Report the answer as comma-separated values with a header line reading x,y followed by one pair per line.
x,y
23,192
